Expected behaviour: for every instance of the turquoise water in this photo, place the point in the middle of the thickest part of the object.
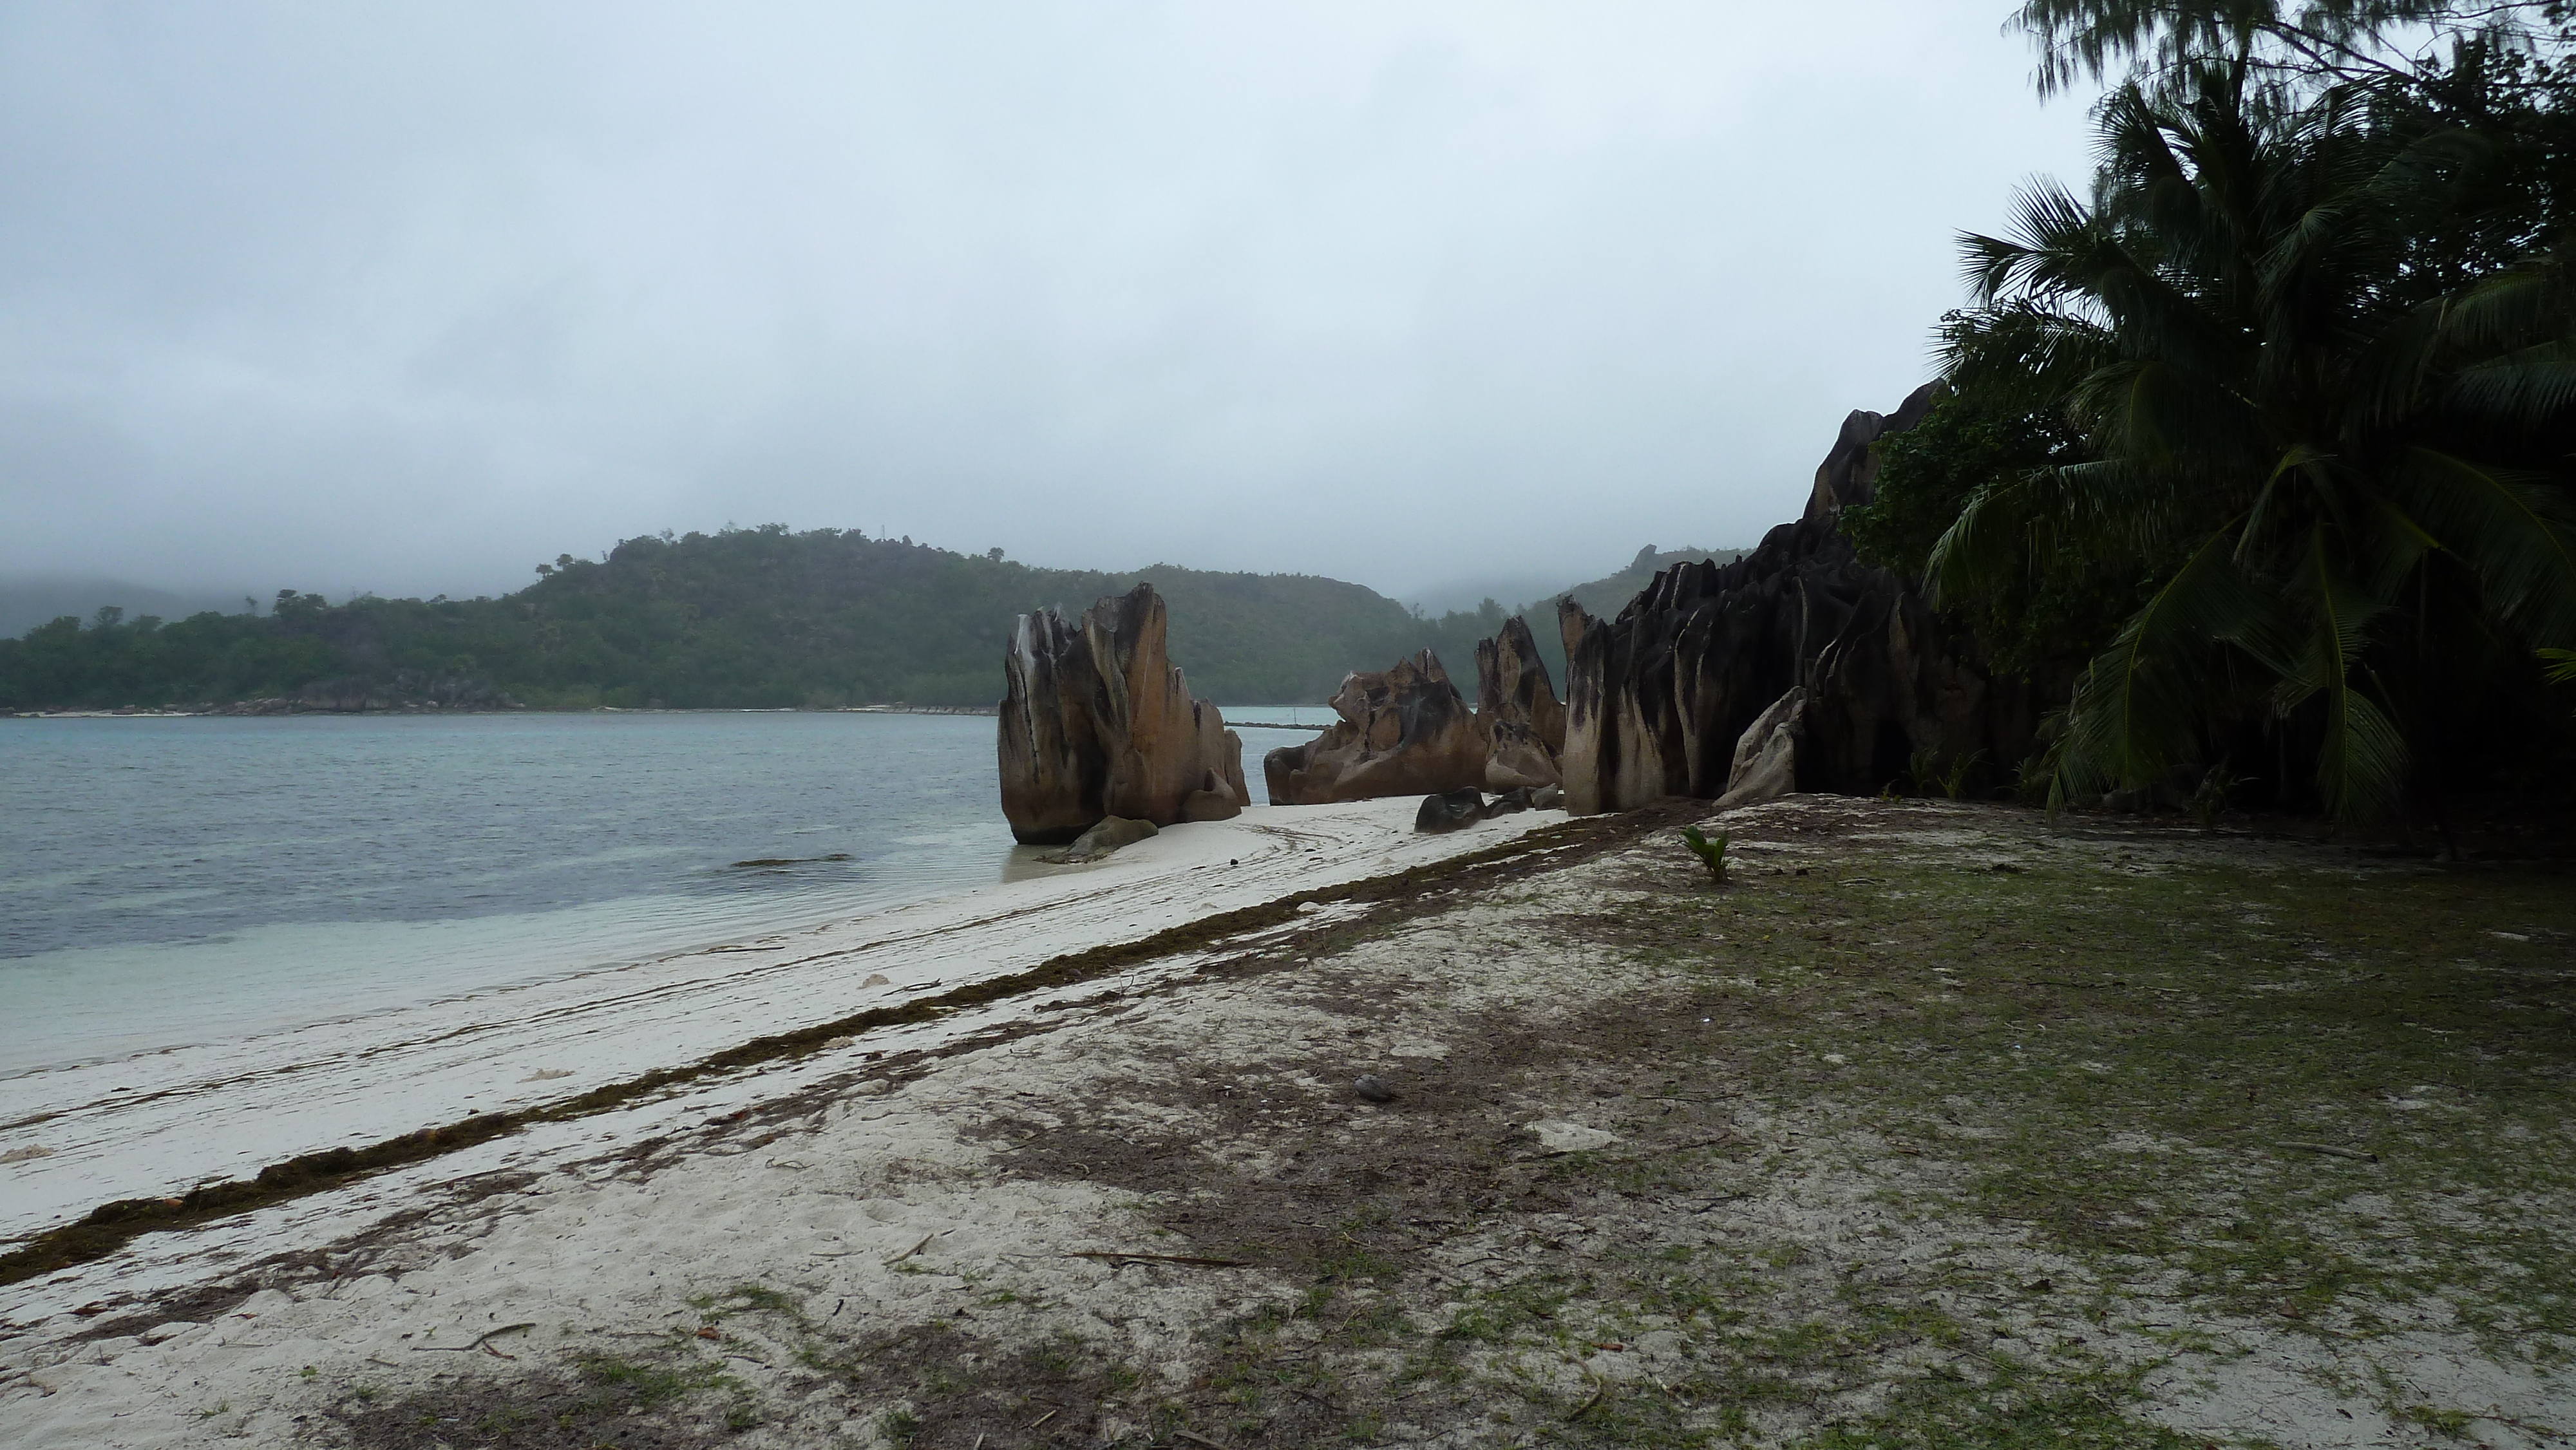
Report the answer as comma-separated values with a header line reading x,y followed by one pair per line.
x,y
178,880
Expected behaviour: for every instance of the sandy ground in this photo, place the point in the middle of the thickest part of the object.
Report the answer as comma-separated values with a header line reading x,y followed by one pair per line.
x,y
158,1123
1937,1125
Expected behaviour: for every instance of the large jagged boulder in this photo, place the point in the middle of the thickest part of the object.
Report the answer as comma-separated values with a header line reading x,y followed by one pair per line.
x,y
1517,706
1403,731
1659,698
1849,474
1098,723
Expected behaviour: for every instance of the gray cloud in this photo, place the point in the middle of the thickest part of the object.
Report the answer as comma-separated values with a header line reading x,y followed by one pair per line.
x,y
410,298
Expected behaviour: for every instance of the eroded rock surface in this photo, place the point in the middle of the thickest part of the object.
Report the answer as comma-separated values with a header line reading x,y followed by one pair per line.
x,y
1450,810
1517,705
1659,698
1403,731
1214,800
1408,730
1106,836
1766,755
1849,474
1097,723
1456,810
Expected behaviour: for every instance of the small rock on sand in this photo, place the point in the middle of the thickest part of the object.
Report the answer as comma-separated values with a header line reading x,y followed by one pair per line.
x,y
1559,1136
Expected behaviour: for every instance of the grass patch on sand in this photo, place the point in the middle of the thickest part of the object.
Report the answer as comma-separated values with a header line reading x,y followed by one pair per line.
x,y
1937,1127
2336,1097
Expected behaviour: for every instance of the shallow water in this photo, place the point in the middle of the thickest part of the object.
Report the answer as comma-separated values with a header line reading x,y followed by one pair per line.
x,y
174,881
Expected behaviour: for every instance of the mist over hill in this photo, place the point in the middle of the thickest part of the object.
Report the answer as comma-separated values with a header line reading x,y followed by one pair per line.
x,y
744,618
38,599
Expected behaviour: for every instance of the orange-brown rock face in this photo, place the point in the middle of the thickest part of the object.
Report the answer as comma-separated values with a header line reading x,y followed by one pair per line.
x,y
1516,703
1098,723
1405,731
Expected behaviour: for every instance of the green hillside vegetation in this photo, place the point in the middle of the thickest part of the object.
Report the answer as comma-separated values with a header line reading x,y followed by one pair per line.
x,y
746,618
1605,597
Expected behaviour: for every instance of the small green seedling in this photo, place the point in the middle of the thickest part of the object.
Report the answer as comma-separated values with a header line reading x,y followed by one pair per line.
x,y
1711,852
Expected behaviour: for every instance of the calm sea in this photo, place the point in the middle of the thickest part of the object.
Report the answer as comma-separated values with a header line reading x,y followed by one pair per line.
x,y
167,881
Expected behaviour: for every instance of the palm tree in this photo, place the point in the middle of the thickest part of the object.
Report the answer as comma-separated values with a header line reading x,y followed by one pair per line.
x,y
2323,360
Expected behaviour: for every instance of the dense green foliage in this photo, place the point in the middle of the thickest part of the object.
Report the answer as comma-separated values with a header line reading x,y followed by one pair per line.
x,y
2314,345
2032,623
744,618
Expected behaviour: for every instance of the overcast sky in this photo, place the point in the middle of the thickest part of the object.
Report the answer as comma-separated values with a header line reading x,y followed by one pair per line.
x,y
410,298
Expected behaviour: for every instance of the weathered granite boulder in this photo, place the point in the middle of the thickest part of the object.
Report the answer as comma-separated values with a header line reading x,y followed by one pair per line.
x,y
1104,837
1409,730
1766,755
1450,810
1405,731
1098,723
1214,800
1516,704
1659,699
1454,810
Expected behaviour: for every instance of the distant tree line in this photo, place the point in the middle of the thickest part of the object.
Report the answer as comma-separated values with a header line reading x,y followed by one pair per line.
x,y
744,618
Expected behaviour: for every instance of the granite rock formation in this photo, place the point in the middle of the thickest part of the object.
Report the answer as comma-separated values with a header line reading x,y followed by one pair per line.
x,y
1517,706
1098,723
1455,810
1450,810
1408,730
1659,699
1214,800
1849,474
1404,731
1105,836
1766,755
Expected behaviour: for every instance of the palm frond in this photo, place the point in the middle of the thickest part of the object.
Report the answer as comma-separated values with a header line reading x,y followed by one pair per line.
x,y
2510,309
2137,710
2387,545
2512,527
2528,389
2362,757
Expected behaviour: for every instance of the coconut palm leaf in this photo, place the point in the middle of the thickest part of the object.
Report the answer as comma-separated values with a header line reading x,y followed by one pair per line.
x,y
2525,389
2362,757
2332,443
2139,706
2512,527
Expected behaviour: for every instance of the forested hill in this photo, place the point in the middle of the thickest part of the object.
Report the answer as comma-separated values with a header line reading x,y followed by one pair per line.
x,y
758,617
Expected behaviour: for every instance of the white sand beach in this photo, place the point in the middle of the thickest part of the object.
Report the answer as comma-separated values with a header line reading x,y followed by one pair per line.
x,y
1655,1172
160,1123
